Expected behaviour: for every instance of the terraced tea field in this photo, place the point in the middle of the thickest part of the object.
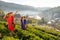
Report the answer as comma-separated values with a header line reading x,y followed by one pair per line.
x,y
32,33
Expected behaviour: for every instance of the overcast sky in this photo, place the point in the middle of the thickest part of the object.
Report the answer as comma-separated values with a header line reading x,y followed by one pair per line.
x,y
36,3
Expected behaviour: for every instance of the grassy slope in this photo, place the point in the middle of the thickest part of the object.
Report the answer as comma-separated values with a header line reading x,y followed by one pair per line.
x,y
32,33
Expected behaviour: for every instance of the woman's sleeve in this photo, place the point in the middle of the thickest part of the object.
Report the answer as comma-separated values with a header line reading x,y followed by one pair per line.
x,y
12,18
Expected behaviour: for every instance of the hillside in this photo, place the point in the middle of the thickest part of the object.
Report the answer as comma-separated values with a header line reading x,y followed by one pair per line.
x,y
11,6
52,13
48,13
32,33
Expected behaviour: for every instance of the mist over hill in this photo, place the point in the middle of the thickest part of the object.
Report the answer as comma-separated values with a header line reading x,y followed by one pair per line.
x,y
52,13
48,13
11,6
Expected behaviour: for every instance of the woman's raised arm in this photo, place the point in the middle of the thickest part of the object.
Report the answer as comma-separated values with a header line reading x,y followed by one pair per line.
x,y
15,12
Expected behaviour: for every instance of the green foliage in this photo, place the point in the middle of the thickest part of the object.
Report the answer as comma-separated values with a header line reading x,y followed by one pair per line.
x,y
29,21
1,15
32,33
42,21
9,38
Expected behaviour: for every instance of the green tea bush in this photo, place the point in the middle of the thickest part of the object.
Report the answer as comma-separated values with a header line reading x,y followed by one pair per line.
x,y
42,34
9,38
31,33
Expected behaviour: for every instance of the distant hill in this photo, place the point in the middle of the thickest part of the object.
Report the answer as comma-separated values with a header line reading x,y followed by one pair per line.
x,y
11,6
49,13
52,13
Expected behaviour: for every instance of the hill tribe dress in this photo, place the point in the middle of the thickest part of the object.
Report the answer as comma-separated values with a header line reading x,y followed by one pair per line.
x,y
10,23
23,23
